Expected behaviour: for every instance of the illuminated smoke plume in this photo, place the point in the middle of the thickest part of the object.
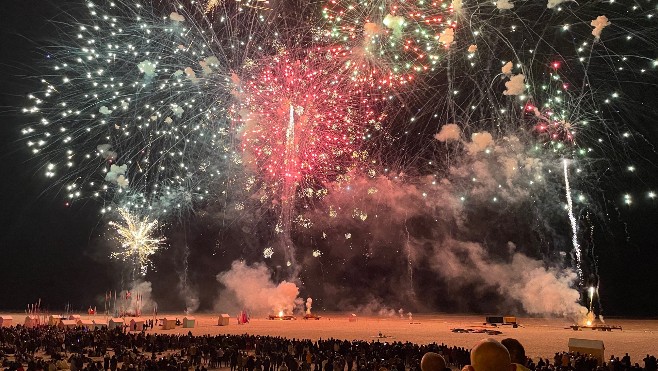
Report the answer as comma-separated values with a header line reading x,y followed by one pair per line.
x,y
138,299
453,243
251,287
309,304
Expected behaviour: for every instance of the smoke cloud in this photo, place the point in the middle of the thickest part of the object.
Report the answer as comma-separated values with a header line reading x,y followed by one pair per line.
x,y
138,299
504,4
309,305
427,241
599,24
515,85
540,290
251,288
449,132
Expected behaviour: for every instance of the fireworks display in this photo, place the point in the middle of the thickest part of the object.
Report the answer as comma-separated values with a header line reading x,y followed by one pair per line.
x,y
335,137
137,238
395,39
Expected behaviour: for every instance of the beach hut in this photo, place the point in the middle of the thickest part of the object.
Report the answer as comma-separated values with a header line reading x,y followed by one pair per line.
x,y
86,323
587,346
67,323
75,317
6,321
168,323
116,323
137,324
189,322
54,320
31,321
98,324
223,319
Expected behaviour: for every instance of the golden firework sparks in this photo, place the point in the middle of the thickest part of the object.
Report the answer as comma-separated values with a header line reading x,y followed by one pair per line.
x,y
137,238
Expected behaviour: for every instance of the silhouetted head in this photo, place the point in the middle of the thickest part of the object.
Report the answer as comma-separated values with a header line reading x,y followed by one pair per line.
x,y
490,355
432,362
516,350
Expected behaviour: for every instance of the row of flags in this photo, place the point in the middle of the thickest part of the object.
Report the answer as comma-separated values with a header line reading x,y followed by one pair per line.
x,y
127,295
35,308
136,299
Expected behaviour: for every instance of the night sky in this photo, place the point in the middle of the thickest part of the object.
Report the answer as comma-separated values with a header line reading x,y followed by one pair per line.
x,y
56,252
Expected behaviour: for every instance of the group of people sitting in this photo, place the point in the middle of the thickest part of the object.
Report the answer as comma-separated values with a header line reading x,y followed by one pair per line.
x,y
52,349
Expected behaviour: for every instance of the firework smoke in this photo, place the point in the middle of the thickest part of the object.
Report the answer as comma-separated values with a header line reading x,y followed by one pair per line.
x,y
251,287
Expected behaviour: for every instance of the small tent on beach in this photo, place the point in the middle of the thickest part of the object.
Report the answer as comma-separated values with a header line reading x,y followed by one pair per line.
x,y
137,324
116,323
168,323
189,322
31,321
68,323
86,323
223,319
6,321
54,320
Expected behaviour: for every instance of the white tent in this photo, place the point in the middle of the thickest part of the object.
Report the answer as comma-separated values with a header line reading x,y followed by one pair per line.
x,y
87,323
6,321
223,319
587,346
116,323
137,324
68,323
189,322
168,323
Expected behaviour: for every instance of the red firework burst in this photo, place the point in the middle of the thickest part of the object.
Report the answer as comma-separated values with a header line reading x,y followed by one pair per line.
x,y
303,120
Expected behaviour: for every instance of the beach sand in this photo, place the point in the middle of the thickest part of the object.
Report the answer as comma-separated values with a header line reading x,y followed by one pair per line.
x,y
541,337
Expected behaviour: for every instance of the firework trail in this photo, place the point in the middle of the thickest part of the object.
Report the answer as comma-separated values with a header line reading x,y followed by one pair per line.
x,y
572,220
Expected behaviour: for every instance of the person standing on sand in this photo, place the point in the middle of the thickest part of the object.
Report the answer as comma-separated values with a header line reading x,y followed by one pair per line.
x,y
234,360
241,361
113,363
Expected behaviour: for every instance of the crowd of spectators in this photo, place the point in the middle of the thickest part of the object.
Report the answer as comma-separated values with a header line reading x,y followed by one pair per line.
x,y
50,348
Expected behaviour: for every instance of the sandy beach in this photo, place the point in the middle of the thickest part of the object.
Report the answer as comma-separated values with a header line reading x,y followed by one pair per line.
x,y
542,337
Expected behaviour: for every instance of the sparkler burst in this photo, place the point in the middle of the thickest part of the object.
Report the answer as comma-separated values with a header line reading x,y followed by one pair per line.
x,y
132,112
137,238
